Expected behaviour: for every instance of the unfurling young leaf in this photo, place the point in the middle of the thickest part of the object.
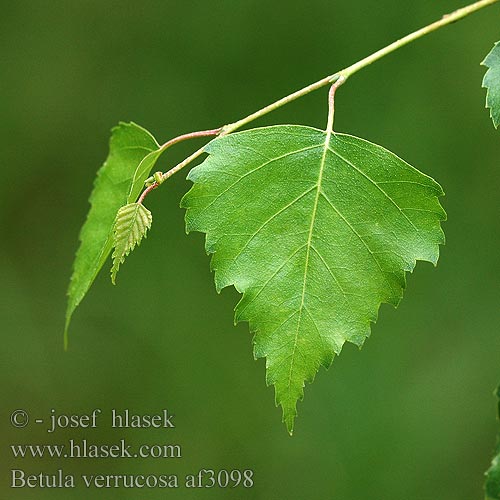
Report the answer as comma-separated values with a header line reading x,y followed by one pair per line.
x,y
492,486
491,82
131,225
132,154
315,235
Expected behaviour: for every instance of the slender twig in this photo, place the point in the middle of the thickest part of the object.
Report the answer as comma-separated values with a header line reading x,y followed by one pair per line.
x,y
331,79
445,20
350,70
155,181
148,190
191,135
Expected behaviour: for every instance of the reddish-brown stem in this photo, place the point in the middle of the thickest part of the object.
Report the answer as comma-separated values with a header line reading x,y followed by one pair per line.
x,y
147,191
171,142
191,135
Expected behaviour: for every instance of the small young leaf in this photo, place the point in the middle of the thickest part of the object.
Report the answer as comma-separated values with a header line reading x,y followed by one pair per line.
x,y
491,82
492,485
315,235
131,225
132,153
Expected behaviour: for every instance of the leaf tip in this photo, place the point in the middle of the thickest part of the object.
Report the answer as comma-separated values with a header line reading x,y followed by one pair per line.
x,y
289,421
289,414
69,313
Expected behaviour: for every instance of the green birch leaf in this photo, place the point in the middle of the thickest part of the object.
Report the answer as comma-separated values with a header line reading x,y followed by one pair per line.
x,y
491,82
131,225
315,235
132,153
492,485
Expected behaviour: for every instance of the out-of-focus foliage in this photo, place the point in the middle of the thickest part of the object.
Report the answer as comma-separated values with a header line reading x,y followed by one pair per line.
x,y
117,183
492,485
491,82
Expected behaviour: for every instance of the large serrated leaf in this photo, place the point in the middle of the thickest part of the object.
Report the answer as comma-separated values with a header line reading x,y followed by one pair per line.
x,y
132,153
491,82
492,485
316,236
131,225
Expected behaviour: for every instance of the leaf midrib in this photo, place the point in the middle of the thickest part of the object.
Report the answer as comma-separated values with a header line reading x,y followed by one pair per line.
x,y
308,252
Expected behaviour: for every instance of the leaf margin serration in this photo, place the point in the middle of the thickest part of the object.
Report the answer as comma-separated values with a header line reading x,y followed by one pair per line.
x,y
210,248
138,219
493,106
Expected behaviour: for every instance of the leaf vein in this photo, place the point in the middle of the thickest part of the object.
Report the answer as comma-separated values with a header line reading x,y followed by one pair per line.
x,y
291,153
287,260
309,241
351,227
347,162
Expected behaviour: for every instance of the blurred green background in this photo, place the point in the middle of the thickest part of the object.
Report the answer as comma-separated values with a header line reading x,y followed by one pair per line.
x,y
410,416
